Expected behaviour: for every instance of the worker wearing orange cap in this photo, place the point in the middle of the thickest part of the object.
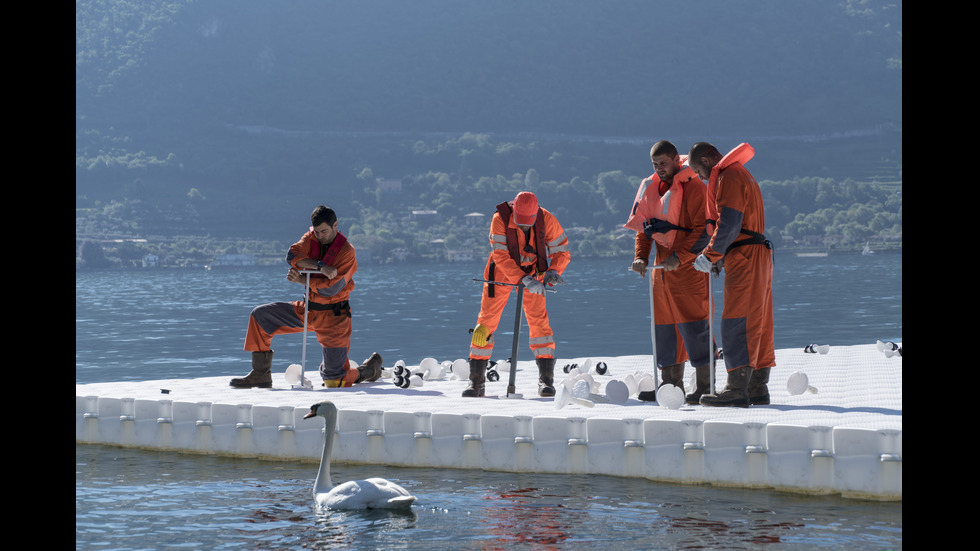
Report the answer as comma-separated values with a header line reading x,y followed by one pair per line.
x,y
527,246
736,216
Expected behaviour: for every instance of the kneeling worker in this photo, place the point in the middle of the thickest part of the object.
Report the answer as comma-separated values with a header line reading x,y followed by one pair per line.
x,y
321,248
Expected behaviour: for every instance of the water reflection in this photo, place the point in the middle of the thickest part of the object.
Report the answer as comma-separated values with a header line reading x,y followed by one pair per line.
x,y
132,499
524,516
344,529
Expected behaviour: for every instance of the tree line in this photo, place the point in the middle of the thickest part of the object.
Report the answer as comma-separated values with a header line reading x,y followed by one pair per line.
x,y
423,214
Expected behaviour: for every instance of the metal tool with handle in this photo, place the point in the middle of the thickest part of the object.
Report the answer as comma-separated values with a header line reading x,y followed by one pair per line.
x,y
511,385
653,329
303,382
653,326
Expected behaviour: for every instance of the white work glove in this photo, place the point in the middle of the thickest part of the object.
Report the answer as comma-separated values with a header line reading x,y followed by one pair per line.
x,y
702,264
533,285
552,278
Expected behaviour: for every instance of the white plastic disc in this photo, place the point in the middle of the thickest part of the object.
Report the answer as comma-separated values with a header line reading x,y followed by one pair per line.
x,y
797,383
428,364
293,373
581,389
670,396
617,392
461,368
646,383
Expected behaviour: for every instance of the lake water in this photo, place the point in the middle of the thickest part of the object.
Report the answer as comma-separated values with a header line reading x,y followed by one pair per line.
x,y
133,499
142,325
153,324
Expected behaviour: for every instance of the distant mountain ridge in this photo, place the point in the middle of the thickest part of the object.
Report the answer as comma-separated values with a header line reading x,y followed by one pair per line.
x,y
254,107
563,66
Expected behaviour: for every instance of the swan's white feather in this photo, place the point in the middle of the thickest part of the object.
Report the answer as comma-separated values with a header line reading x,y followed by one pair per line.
x,y
370,493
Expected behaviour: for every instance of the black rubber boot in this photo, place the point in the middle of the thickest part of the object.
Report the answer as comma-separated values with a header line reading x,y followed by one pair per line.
x,y
546,376
702,384
261,374
759,387
736,392
673,375
370,370
670,375
478,379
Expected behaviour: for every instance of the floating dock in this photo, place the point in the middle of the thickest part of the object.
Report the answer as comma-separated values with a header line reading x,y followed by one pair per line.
x,y
842,436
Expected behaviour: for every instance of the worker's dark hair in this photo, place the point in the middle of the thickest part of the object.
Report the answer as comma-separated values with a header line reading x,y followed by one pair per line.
x,y
701,150
323,214
663,147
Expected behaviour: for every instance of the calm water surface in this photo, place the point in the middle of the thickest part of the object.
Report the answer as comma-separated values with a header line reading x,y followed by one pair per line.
x,y
142,325
133,499
153,324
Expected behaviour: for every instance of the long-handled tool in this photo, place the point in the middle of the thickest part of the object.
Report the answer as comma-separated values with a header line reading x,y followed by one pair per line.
x,y
511,385
301,382
511,388
711,336
521,285
653,327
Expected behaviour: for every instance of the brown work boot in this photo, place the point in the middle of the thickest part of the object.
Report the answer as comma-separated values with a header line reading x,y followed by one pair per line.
x,y
672,375
759,387
546,376
736,392
702,384
261,374
478,379
370,370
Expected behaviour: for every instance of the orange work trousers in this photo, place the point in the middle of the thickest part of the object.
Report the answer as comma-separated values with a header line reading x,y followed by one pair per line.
x,y
541,339
746,321
333,332
680,311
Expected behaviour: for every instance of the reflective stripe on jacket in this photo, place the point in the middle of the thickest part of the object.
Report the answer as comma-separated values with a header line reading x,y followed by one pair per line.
x,y
548,243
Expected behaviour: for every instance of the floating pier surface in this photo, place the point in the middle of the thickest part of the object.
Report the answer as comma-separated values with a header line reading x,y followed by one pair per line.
x,y
844,438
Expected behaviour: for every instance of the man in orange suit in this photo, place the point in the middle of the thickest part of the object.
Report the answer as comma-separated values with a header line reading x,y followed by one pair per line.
x,y
668,216
736,212
325,249
528,247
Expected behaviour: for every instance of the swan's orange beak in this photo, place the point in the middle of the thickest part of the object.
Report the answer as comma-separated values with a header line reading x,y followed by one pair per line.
x,y
312,413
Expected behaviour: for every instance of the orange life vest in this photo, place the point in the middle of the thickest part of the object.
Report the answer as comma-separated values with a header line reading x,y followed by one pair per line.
x,y
325,254
742,153
540,247
657,207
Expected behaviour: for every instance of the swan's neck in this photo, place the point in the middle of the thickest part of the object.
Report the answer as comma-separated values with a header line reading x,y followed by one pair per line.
x,y
323,483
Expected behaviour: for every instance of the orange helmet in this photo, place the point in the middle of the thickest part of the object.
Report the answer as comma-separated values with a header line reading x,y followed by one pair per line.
x,y
525,208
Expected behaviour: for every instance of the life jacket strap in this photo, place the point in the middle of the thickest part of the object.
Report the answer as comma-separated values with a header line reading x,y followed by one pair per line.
x,y
339,308
656,225
755,238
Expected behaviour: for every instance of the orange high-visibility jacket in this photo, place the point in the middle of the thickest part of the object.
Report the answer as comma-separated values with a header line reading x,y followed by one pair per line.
x,y
506,269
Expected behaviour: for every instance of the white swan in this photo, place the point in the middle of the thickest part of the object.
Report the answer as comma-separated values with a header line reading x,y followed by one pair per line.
x,y
372,493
